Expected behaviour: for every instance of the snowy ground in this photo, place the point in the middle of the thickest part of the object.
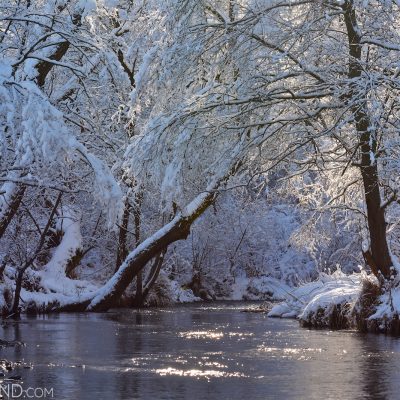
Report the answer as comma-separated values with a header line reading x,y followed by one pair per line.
x,y
303,302
323,294
258,288
242,288
316,302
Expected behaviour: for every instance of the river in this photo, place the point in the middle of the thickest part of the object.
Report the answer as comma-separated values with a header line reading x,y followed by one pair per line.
x,y
212,351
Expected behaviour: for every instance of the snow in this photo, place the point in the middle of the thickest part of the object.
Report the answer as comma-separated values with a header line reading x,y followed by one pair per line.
x,y
53,281
239,288
143,248
61,290
181,295
258,288
112,282
87,6
283,310
106,190
71,290
324,293
331,295
190,130
7,191
46,142
53,274
141,74
55,287
389,303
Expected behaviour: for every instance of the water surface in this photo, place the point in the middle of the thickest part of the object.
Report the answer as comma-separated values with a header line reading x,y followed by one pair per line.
x,y
199,352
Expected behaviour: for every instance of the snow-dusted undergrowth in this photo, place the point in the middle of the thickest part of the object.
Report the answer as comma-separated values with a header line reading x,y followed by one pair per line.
x,y
344,301
320,296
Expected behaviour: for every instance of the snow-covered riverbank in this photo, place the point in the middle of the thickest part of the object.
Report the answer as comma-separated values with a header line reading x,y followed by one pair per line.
x,y
344,301
328,292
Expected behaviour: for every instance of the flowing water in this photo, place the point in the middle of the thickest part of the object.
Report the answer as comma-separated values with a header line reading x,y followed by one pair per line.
x,y
198,352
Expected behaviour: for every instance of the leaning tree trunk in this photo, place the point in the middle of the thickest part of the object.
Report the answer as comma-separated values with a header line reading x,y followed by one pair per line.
x,y
379,256
178,229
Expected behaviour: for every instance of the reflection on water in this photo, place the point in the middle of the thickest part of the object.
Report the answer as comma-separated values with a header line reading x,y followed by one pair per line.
x,y
199,352
199,373
202,335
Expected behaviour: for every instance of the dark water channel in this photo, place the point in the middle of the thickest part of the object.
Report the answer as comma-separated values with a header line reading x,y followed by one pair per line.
x,y
199,352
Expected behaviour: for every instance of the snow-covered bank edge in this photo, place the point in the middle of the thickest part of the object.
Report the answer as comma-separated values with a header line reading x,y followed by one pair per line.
x,y
262,288
327,302
46,292
334,301
340,301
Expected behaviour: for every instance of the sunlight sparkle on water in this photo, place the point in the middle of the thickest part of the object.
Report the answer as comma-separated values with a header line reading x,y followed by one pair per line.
x,y
197,373
213,334
201,335
299,353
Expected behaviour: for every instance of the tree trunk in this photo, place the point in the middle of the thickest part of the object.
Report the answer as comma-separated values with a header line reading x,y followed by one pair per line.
x,y
177,229
380,254
376,215
21,271
154,272
9,206
139,300
73,262
122,251
44,67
